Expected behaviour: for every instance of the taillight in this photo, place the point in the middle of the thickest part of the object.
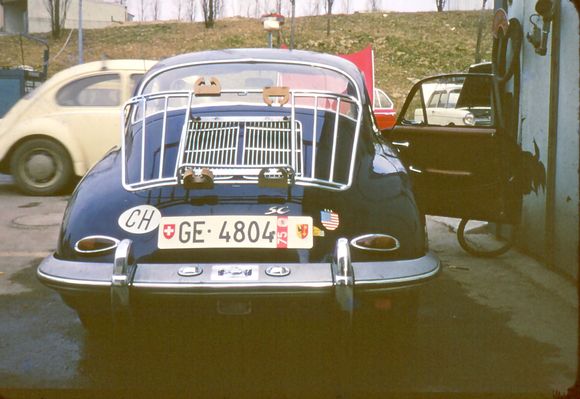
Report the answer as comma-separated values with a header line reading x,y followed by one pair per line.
x,y
96,244
376,242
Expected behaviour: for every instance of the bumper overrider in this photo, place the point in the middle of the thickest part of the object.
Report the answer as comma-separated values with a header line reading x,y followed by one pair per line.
x,y
125,277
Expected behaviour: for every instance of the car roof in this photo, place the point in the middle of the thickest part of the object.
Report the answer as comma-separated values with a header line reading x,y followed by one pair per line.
x,y
103,65
262,54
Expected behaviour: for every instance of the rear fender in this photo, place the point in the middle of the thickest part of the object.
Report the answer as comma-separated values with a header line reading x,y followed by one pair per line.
x,y
43,128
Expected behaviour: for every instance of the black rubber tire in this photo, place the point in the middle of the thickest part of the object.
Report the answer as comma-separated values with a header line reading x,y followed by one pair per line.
x,y
476,252
48,152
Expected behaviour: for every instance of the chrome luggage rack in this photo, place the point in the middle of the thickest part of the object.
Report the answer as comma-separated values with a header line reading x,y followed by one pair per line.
x,y
238,149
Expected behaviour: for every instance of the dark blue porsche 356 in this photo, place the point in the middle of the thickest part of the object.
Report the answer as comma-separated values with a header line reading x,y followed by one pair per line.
x,y
257,175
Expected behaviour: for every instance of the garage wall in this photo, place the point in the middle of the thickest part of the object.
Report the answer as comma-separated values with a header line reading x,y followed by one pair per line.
x,y
549,229
566,212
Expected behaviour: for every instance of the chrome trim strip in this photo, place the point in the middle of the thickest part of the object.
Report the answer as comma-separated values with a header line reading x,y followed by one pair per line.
x,y
400,280
449,172
233,286
44,277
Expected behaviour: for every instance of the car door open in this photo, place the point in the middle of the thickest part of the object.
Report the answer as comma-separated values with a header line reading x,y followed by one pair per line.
x,y
451,135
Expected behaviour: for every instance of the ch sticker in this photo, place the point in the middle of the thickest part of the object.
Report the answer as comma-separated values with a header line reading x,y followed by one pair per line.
x,y
140,219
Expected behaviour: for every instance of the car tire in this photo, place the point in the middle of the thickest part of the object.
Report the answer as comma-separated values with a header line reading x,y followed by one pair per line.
x,y
41,167
481,253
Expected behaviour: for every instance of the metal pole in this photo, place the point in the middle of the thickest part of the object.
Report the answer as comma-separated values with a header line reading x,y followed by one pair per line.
x,y
81,32
270,39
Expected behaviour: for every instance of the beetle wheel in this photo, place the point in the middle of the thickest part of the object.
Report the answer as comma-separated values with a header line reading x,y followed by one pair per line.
x,y
479,251
41,167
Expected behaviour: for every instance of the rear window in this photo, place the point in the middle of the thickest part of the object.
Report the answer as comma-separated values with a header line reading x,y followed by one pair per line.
x,y
253,76
93,91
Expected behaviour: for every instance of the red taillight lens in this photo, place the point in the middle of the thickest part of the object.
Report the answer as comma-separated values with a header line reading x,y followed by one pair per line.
x,y
96,244
376,242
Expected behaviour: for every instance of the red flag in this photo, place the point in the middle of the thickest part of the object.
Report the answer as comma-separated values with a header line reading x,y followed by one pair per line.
x,y
365,61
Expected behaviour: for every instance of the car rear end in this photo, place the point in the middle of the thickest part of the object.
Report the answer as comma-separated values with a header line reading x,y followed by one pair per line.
x,y
239,200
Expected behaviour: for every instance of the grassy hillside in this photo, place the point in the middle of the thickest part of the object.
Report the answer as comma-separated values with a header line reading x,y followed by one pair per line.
x,y
407,45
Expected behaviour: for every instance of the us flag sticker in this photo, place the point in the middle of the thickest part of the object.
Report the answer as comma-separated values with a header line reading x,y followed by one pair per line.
x,y
329,219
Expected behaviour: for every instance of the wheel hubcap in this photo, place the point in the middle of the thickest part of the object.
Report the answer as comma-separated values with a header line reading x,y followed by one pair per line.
x,y
40,167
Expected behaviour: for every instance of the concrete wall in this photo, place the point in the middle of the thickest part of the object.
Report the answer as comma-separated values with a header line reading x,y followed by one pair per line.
x,y
566,212
551,232
95,15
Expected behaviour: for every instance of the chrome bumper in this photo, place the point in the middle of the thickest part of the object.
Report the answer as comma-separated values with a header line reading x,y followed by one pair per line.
x,y
124,277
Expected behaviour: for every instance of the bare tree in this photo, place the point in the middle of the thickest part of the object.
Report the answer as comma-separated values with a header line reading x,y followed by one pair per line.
x,y
347,6
211,11
279,6
57,10
374,5
191,10
315,8
155,9
328,8
440,4
142,10
480,33
179,6
257,8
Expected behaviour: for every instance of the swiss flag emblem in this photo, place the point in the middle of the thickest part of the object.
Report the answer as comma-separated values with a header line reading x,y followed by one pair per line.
x,y
168,231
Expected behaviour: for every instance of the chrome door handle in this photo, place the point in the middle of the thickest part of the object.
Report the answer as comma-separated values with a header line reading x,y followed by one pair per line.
x,y
401,143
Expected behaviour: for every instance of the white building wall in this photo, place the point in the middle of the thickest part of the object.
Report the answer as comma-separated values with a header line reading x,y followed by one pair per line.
x,y
566,240
14,17
95,15
534,126
534,95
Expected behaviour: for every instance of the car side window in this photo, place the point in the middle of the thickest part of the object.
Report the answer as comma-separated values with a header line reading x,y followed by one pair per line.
x,y
462,100
381,100
135,80
434,100
94,91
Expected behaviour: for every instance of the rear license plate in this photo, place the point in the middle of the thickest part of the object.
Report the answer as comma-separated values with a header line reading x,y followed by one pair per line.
x,y
180,232
229,308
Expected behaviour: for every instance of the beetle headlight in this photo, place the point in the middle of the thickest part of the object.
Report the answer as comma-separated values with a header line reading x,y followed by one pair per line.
x,y
469,119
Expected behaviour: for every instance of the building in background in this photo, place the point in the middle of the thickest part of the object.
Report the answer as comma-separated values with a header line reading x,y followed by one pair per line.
x,y
31,16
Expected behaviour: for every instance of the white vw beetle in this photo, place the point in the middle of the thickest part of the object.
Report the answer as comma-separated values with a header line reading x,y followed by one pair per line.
x,y
66,125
